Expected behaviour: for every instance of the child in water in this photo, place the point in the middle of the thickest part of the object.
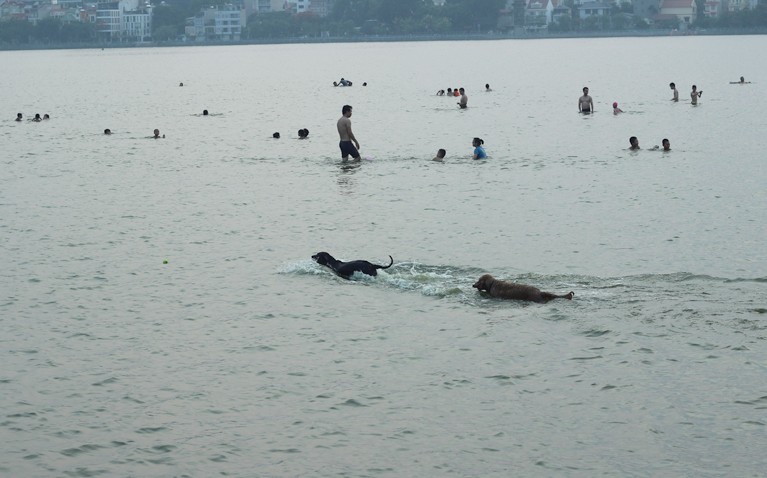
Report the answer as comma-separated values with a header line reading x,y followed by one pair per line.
x,y
616,110
440,155
479,151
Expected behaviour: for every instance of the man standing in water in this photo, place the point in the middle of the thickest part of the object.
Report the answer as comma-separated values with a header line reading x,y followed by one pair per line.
x,y
585,103
346,136
464,99
676,92
695,94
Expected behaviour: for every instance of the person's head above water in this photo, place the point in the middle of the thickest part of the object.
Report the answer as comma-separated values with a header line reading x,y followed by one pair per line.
x,y
477,142
742,80
585,90
615,104
666,144
156,133
441,153
205,112
276,135
107,131
19,116
46,116
634,142
672,85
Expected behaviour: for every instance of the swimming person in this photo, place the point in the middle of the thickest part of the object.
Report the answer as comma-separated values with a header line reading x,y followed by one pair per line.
x,y
107,131
303,133
346,136
585,103
205,112
634,143
276,135
157,134
464,99
616,110
37,117
676,92
479,151
487,87
449,92
46,116
666,144
441,93
19,116
440,155
695,94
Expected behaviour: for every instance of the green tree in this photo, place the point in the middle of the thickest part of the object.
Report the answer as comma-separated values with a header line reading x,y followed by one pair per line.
x,y
165,16
518,12
164,33
474,15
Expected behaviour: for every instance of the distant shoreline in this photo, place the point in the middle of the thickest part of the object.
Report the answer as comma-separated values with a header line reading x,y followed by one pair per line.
x,y
398,38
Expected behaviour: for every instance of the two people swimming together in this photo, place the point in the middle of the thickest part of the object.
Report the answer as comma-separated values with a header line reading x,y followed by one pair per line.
x,y
634,145
478,153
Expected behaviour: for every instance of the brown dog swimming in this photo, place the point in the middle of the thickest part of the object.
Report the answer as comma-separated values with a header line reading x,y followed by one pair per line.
x,y
511,290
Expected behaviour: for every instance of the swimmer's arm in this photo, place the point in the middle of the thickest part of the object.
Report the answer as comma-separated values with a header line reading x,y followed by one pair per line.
x,y
351,135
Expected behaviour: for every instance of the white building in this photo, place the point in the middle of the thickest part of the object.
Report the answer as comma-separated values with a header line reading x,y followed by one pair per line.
x,y
224,22
137,25
125,20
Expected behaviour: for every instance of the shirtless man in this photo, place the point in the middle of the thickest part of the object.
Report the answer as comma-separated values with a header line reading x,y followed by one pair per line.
x,y
464,99
634,143
585,103
676,93
346,136
695,94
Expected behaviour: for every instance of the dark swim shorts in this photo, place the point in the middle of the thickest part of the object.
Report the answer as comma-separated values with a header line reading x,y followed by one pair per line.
x,y
348,149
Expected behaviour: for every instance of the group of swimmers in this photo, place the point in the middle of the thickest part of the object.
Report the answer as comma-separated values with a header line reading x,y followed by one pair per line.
x,y
36,119
344,82
586,106
634,145
464,101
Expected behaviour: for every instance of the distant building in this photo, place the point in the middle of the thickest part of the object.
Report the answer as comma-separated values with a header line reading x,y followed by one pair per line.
x,y
263,6
590,9
737,5
712,8
538,13
646,8
136,25
321,8
13,10
683,11
221,23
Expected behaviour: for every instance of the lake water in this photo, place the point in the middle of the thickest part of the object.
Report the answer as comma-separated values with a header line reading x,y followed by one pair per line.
x,y
242,357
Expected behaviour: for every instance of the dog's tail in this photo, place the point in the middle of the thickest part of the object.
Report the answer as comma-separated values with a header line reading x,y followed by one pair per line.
x,y
386,267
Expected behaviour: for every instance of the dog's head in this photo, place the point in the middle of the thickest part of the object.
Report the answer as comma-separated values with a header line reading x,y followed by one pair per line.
x,y
323,258
484,282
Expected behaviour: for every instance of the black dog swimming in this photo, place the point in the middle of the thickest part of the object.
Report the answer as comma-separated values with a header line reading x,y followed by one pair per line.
x,y
346,269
